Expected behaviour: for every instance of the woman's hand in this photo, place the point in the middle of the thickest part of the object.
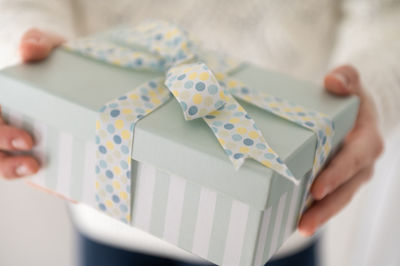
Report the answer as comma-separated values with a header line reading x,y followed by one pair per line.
x,y
35,45
14,139
334,188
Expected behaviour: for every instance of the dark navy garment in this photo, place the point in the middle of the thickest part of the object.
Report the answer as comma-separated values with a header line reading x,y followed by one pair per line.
x,y
93,253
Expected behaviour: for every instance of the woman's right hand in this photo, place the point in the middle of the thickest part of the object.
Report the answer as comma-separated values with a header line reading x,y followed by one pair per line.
x,y
35,45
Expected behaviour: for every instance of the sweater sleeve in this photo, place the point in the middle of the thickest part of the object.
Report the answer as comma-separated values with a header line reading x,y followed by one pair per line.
x,y
17,16
369,39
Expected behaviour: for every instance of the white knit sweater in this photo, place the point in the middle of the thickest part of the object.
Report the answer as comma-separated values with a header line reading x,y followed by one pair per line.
x,y
302,38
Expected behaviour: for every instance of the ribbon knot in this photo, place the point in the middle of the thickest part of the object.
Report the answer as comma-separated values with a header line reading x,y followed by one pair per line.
x,y
196,89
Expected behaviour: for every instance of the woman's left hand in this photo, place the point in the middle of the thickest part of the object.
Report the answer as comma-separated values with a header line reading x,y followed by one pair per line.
x,y
335,186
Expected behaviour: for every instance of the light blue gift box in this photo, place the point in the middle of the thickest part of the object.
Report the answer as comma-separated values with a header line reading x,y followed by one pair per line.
x,y
185,190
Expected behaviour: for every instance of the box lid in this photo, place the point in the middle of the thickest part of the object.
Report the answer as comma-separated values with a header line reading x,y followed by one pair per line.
x,y
66,90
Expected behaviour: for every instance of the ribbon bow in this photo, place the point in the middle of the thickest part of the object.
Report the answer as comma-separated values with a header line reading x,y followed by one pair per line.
x,y
200,83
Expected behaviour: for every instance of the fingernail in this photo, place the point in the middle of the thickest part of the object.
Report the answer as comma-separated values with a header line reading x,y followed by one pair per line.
x,y
342,78
19,144
304,232
23,170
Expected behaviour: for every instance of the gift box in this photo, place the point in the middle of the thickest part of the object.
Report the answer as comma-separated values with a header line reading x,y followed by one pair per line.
x,y
181,187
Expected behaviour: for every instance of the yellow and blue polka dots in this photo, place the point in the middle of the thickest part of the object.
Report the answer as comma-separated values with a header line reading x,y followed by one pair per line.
x,y
199,82
114,169
114,54
196,89
317,122
238,134
166,40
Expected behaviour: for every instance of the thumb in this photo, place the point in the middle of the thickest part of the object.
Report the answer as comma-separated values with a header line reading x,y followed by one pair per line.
x,y
343,80
37,45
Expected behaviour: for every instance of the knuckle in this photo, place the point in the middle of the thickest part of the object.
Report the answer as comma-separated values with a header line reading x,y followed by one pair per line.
x,y
326,175
352,72
318,188
336,175
334,180
357,161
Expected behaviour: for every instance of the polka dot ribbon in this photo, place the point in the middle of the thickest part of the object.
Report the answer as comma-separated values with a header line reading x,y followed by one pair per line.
x,y
199,82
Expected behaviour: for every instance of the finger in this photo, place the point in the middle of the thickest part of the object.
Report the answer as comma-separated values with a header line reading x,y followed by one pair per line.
x,y
343,80
12,139
36,44
355,155
17,166
323,210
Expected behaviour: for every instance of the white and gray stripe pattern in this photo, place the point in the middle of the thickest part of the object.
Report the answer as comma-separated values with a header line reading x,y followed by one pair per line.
x,y
195,218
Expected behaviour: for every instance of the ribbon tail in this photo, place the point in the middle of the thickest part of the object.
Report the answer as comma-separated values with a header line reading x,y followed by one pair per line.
x,y
114,138
201,95
238,134
318,122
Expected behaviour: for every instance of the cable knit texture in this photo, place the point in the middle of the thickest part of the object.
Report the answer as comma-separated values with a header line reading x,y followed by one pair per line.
x,y
301,38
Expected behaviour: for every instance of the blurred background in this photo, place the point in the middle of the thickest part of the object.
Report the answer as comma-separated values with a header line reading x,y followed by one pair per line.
x,y
35,228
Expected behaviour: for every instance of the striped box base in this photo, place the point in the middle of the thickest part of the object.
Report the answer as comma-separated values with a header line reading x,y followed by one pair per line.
x,y
193,217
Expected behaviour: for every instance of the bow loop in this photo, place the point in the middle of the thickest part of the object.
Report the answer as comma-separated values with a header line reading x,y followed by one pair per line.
x,y
164,39
196,89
